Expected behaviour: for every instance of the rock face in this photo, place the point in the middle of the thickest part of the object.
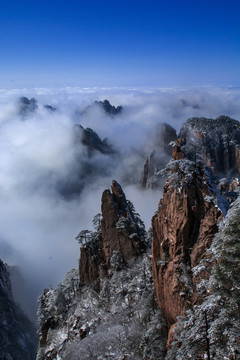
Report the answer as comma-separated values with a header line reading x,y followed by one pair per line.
x,y
201,333
177,153
121,232
215,142
91,140
120,228
92,261
159,157
17,335
189,213
183,230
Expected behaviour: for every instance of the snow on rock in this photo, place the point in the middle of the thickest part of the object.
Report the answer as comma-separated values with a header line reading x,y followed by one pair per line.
x,y
122,319
107,310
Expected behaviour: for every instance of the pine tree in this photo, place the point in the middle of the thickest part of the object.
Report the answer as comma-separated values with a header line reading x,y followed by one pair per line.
x,y
84,237
97,222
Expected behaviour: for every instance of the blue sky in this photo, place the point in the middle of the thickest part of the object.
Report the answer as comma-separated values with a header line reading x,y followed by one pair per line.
x,y
119,43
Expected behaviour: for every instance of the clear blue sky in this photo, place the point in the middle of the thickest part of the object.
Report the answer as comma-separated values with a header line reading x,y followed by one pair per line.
x,y
119,43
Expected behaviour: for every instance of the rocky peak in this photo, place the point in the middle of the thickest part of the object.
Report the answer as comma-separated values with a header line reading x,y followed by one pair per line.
x,y
183,230
215,142
122,205
89,138
108,108
121,230
104,106
121,234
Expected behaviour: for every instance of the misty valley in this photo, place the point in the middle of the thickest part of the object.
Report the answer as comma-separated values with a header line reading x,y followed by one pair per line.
x,y
119,224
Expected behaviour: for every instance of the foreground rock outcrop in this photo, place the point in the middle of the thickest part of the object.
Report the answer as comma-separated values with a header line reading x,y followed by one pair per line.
x,y
107,309
120,321
183,230
18,339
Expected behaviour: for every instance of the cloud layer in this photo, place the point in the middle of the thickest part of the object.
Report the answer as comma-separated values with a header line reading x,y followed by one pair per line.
x,y
38,159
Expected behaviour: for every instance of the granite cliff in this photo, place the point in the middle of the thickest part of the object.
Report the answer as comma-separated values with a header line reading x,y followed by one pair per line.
x,y
183,229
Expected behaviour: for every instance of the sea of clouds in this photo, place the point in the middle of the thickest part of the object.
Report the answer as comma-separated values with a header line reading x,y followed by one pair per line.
x,y
38,159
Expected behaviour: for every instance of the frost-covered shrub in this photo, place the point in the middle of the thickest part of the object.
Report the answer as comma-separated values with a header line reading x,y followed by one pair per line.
x,y
116,261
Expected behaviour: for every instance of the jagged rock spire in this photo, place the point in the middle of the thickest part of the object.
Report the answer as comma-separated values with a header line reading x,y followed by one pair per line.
x,y
120,232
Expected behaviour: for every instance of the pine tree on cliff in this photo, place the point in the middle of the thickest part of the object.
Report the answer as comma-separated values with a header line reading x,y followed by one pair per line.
x,y
86,236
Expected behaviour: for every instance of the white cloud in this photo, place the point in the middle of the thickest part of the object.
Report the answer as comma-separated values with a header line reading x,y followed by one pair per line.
x,y
37,157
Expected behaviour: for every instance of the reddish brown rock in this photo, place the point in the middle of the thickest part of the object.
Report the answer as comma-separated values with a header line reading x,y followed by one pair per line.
x,y
182,231
120,233
178,154
117,237
92,262
171,334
